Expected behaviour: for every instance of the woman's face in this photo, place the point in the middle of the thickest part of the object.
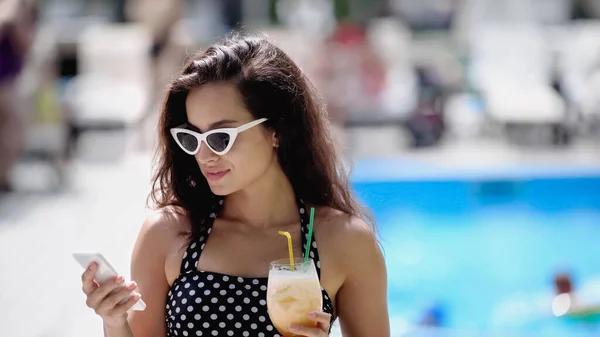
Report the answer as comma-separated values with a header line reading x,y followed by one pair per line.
x,y
219,105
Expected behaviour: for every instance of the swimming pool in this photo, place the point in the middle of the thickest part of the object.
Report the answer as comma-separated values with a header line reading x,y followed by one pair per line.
x,y
484,244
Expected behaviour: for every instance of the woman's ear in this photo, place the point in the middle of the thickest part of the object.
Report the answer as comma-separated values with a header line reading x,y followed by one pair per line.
x,y
275,140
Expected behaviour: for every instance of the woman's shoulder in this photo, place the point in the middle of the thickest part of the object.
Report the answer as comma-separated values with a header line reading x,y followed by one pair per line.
x,y
348,234
337,225
164,223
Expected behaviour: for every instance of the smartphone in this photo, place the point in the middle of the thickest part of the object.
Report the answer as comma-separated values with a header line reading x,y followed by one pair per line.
x,y
104,272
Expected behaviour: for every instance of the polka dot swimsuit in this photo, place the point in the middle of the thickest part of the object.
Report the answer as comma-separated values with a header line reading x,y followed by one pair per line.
x,y
202,303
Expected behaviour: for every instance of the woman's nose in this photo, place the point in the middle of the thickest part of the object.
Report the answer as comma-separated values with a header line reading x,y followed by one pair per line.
x,y
205,155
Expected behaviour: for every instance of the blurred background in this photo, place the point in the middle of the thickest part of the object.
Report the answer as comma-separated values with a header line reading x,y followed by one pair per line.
x,y
473,127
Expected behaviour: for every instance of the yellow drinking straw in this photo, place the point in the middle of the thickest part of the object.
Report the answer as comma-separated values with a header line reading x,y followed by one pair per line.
x,y
290,248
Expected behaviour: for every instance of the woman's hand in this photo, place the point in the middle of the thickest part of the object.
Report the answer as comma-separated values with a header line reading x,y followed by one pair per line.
x,y
323,324
105,298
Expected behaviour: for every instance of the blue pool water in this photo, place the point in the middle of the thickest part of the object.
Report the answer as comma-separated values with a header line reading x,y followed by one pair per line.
x,y
484,245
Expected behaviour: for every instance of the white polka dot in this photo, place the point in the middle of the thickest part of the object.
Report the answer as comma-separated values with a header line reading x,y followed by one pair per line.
x,y
195,278
192,292
238,325
193,245
187,285
255,293
198,333
246,300
222,308
260,334
262,302
229,333
312,254
179,294
177,310
210,277
173,303
201,285
276,335
230,300
318,264
202,247
184,301
232,286
197,317
213,317
238,308
194,255
225,278
246,317
216,285
261,318
198,300
176,333
190,325
302,211
230,316
209,230
220,202
239,292
184,255
253,326
245,333
207,292
183,317
223,292
222,325
240,279
178,326
206,325
263,288
270,327
248,287
212,215
201,238
254,310
205,308
255,281
190,308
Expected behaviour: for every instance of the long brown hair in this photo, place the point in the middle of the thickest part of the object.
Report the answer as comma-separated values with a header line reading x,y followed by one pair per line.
x,y
271,86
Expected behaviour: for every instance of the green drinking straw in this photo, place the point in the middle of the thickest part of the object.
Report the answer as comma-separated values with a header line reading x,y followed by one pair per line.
x,y
310,231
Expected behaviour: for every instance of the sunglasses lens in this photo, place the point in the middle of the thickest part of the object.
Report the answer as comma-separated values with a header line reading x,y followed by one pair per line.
x,y
187,141
218,141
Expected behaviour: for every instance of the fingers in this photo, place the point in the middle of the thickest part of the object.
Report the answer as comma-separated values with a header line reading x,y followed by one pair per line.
x,y
87,279
125,306
322,330
322,318
307,331
111,301
99,294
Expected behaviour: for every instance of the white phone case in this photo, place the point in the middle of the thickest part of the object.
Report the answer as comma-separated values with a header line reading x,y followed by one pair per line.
x,y
104,273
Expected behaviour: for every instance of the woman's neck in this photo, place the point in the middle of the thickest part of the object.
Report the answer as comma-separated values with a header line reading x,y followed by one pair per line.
x,y
267,202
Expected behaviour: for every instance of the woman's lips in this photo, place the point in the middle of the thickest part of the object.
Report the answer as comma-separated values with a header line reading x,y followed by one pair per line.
x,y
216,174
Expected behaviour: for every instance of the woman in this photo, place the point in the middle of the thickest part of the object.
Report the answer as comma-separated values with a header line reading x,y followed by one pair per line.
x,y
265,156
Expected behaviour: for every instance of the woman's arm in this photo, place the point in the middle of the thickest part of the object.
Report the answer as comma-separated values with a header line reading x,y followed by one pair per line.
x,y
362,299
148,270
